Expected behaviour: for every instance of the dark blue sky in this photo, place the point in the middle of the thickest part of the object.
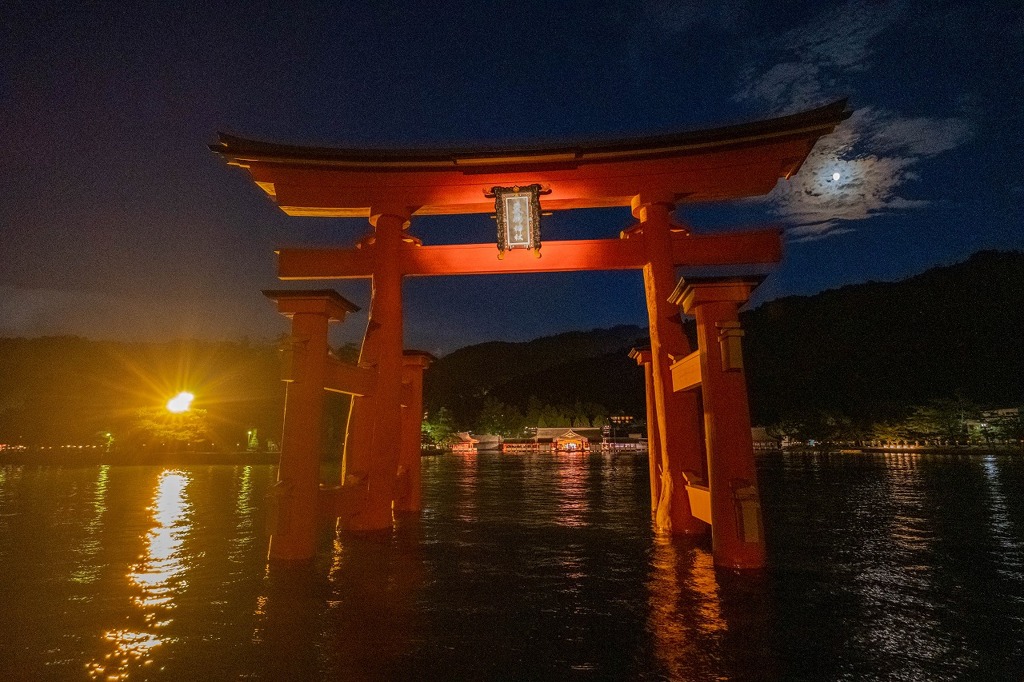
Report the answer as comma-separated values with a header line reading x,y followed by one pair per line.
x,y
117,222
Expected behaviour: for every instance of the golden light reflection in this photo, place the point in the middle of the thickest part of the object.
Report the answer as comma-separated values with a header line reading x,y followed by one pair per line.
x,y
88,570
467,486
572,486
244,512
685,606
158,576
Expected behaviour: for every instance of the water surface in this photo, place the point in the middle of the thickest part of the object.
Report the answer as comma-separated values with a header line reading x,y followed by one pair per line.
x,y
894,567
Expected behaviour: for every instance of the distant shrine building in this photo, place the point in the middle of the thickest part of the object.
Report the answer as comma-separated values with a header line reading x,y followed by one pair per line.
x,y
701,454
554,439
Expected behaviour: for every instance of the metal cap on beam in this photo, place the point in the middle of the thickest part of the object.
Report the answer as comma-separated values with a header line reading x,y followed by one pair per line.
x,y
693,291
323,301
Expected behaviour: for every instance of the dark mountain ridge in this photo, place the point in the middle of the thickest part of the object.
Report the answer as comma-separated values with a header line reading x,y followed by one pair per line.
x,y
868,351
512,372
871,350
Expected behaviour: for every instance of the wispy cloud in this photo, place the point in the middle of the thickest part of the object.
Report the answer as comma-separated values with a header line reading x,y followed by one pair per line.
x,y
864,168
806,64
861,170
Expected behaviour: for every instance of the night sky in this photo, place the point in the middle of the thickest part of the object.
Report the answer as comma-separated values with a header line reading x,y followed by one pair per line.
x,y
117,222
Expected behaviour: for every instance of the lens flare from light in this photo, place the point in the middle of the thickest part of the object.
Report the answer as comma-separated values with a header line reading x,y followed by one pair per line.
x,y
180,403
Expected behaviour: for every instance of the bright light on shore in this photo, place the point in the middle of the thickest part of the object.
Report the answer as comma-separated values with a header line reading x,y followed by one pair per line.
x,y
180,403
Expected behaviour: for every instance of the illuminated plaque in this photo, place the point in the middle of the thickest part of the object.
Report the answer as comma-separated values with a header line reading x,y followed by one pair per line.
x,y
518,214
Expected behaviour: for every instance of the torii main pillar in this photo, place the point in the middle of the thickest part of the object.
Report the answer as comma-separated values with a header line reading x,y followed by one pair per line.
x,y
374,445
643,358
296,506
408,493
737,533
678,426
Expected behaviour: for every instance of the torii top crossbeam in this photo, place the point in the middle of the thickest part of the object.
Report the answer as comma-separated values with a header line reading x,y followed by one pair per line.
x,y
723,163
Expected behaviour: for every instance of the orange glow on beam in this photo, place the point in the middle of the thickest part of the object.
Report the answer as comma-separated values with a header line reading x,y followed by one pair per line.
x,y
342,377
756,246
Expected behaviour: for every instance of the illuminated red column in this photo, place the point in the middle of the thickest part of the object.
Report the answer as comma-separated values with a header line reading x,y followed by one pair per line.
x,y
409,495
643,358
375,459
677,415
736,528
294,507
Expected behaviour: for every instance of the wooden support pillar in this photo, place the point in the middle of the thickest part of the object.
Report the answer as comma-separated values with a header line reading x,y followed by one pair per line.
x,y
375,422
295,509
408,497
736,528
643,358
677,417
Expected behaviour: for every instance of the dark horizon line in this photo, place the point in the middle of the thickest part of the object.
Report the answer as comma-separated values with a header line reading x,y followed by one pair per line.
x,y
270,339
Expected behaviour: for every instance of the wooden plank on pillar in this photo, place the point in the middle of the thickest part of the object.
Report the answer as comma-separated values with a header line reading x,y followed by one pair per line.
x,y
345,378
686,372
700,502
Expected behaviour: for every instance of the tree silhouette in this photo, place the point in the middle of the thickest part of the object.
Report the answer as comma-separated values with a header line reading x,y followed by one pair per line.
x,y
157,425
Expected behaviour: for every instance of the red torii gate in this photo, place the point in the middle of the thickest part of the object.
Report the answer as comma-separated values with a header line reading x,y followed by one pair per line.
x,y
691,431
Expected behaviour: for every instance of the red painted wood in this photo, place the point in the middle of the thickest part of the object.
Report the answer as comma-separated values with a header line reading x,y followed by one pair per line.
x,y
749,246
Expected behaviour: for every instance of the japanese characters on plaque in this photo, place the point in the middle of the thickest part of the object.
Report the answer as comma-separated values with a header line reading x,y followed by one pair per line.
x,y
517,211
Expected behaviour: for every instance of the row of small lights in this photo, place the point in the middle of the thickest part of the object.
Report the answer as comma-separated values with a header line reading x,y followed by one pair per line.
x,y
178,404
63,447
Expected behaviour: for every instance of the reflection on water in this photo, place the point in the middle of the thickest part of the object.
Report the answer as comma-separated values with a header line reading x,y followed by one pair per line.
x,y
466,486
86,568
572,489
1011,548
893,566
245,524
684,605
157,577
525,567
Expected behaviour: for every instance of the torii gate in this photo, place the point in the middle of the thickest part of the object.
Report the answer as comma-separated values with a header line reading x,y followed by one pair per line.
x,y
702,458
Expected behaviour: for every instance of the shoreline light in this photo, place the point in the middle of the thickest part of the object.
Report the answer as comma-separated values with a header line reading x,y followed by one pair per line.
x,y
180,403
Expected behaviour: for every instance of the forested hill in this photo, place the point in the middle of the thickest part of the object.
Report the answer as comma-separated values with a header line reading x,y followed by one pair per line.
x,y
557,369
868,351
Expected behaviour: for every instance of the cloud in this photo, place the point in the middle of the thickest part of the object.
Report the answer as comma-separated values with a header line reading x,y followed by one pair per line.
x,y
806,63
842,37
875,153
919,136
